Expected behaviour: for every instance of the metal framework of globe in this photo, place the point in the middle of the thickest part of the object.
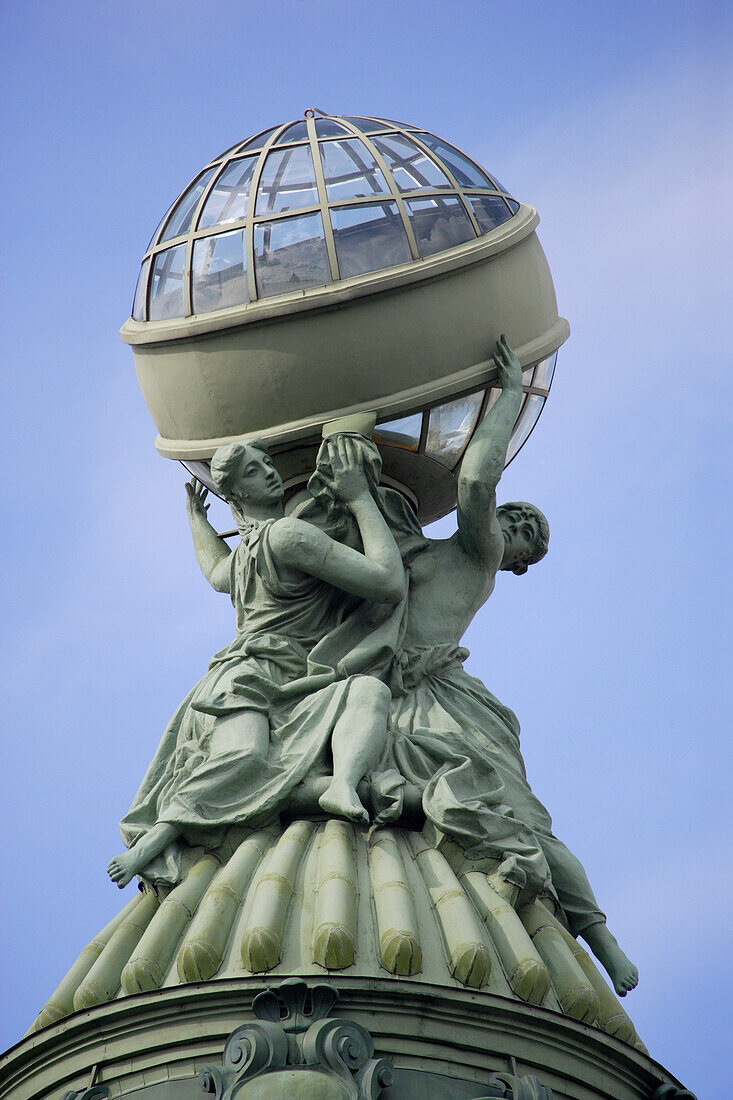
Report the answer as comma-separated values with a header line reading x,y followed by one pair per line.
x,y
335,264
313,202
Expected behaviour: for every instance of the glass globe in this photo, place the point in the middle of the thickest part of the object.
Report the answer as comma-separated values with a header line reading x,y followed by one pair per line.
x,y
337,211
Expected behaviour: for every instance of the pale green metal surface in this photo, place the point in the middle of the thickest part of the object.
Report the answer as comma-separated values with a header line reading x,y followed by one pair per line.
x,y
170,1035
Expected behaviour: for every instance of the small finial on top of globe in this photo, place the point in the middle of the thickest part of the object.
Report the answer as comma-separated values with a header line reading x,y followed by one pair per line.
x,y
332,265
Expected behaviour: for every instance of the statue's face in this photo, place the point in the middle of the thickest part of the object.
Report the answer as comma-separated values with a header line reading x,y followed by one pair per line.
x,y
257,479
520,532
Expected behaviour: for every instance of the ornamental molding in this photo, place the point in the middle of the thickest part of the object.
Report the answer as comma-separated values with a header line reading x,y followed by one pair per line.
x,y
293,1035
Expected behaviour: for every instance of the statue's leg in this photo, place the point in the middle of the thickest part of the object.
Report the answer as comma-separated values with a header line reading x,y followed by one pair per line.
x,y
224,787
619,966
357,744
214,793
572,887
243,731
124,867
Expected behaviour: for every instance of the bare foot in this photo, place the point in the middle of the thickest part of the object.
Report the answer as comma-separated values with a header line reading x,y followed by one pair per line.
x,y
623,973
342,800
604,946
122,869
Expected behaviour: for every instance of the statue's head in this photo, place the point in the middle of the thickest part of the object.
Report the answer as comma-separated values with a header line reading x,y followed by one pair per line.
x,y
526,535
244,473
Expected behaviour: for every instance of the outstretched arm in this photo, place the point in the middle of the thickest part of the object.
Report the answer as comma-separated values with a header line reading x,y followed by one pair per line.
x,y
212,553
378,573
485,457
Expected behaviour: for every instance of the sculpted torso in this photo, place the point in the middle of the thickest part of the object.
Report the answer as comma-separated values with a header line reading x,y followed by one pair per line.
x,y
454,577
447,588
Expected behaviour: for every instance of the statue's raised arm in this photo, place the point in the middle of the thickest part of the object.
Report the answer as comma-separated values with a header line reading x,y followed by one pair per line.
x,y
377,574
449,581
212,553
483,464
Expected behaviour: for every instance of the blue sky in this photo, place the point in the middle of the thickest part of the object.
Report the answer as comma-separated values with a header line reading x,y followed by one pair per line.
x,y
609,117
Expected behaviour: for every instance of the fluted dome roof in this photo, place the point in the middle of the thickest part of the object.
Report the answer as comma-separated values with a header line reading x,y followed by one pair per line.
x,y
330,897
309,203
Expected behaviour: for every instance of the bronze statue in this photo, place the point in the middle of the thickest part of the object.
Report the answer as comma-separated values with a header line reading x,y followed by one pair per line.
x,y
316,682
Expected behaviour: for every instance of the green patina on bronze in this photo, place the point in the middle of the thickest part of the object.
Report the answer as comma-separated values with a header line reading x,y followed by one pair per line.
x,y
346,670
336,796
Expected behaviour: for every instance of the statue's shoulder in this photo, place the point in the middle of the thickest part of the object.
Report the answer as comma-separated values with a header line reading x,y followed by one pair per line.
x,y
437,555
288,533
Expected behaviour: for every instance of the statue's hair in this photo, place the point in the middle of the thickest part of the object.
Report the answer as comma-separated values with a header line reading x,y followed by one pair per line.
x,y
541,540
226,463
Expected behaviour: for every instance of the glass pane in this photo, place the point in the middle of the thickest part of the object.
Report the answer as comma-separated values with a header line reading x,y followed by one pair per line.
x,y
290,254
439,224
403,433
412,169
489,211
287,181
525,424
513,206
138,305
227,201
527,378
326,127
392,122
466,172
182,214
297,132
369,238
450,428
157,228
219,272
368,125
545,371
350,170
258,141
202,471
166,286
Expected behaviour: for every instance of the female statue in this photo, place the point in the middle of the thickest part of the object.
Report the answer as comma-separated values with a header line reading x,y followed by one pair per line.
x,y
217,764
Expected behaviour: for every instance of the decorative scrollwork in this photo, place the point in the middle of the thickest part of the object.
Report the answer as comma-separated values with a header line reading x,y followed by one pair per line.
x,y
293,1005
376,1075
341,1045
293,1030
212,1081
251,1050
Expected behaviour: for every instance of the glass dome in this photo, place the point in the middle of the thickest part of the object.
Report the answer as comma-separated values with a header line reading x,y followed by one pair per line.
x,y
311,203
444,431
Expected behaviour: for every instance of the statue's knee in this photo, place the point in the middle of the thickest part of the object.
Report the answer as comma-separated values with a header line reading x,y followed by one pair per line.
x,y
237,756
253,758
369,692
